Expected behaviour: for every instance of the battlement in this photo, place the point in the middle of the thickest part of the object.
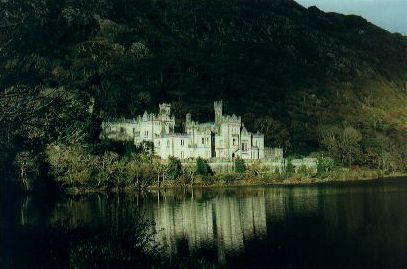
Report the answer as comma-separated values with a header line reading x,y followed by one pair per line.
x,y
165,109
152,117
258,134
182,135
119,120
217,104
188,118
148,116
232,119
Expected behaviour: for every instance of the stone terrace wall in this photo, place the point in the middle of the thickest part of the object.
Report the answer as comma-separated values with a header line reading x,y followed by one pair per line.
x,y
275,164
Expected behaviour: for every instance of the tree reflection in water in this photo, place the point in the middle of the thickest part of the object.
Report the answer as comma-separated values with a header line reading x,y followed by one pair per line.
x,y
318,226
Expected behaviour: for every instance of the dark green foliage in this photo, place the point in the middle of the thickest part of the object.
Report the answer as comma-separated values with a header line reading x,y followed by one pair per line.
x,y
173,169
73,166
343,144
228,177
28,166
123,148
325,164
240,166
289,169
202,168
304,171
62,246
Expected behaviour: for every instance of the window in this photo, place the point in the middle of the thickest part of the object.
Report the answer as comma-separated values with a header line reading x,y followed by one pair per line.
x,y
203,141
234,141
182,142
122,130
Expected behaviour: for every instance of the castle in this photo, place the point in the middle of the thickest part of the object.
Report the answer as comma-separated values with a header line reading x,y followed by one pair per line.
x,y
225,138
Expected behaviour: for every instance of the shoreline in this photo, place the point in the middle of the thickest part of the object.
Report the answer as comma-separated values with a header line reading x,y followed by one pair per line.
x,y
256,182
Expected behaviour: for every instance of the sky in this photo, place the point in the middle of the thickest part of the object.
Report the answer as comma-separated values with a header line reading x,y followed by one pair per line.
x,y
388,14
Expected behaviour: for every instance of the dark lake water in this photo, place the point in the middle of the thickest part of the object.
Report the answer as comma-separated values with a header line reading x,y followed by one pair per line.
x,y
358,225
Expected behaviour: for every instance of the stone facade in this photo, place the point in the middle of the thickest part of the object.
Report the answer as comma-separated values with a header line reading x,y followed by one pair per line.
x,y
225,138
143,128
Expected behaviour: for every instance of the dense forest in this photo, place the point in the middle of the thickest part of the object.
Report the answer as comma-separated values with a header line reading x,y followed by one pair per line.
x,y
312,82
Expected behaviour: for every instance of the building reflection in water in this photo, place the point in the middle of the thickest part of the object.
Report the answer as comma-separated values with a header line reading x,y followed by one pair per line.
x,y
223,221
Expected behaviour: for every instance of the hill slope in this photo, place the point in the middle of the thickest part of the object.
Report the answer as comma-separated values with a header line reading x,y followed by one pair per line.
x,y
290,71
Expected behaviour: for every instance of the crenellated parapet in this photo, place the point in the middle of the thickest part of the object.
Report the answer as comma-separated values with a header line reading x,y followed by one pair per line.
x,y
258,134
233,119
165,109
197,127
108,121
181,135
148,116
160,117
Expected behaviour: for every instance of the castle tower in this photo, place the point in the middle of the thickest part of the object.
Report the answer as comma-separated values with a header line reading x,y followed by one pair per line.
x,y
188,118
217,105
165,109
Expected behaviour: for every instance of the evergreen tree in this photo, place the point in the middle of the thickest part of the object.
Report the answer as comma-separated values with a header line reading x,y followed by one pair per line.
x,y
202,168
240,166
173,168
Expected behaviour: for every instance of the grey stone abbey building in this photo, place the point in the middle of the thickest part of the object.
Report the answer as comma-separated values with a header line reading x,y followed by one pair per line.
x,y
225,138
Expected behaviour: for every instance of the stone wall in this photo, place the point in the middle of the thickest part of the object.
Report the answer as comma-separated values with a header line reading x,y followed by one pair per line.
x,y
310,164
274,164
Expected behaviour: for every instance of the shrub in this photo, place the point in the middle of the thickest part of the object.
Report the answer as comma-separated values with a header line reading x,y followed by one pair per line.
x,y
174,168
202,168
305,171
228,177
240,166
72,166
289,169
325,164
29,168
